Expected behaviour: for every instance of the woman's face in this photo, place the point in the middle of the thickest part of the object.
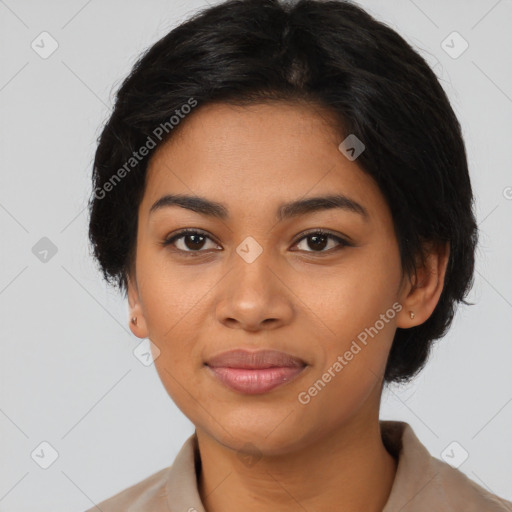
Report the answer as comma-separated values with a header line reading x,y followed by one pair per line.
x,y
255,281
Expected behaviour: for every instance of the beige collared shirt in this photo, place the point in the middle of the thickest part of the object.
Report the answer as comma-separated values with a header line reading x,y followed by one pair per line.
x,y
422,482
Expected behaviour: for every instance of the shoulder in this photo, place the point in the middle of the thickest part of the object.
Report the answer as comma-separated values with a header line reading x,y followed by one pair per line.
x,y
175,484
462,493
424,482
147,495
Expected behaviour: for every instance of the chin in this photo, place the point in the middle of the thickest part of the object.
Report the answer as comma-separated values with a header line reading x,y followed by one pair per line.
x,y
261,440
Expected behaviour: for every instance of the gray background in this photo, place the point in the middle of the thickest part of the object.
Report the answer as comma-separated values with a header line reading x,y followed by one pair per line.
x,y
68,373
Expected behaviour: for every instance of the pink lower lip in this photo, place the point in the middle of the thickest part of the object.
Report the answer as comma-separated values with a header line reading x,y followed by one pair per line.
x,y
254,381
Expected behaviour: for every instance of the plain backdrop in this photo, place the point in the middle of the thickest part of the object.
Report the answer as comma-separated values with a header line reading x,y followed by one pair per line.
x,y
68,373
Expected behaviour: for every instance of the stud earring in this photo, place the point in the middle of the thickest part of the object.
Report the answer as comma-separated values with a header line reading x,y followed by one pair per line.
x,y
134,320
411,313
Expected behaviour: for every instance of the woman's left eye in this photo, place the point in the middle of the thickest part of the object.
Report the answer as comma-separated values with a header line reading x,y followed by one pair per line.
x,y
319,240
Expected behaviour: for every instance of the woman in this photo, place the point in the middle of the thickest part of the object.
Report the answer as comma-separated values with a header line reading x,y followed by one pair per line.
x,y
282,193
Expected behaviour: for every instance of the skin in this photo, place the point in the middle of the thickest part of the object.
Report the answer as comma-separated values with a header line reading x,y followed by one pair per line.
x,y
310,302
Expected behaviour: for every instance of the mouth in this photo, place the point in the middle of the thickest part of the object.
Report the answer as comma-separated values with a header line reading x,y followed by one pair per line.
x,y
255,372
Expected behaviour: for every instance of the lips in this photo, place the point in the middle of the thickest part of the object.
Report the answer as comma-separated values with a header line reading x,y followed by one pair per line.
x,y
254,359
255,372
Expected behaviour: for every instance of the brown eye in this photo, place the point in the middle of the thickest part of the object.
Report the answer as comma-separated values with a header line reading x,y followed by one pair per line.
x,y
189,241
319,240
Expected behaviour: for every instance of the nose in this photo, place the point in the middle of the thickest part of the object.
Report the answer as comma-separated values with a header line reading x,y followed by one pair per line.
x,y
255,296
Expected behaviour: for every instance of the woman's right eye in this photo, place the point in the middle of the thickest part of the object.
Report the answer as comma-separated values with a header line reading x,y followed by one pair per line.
x,y
188,241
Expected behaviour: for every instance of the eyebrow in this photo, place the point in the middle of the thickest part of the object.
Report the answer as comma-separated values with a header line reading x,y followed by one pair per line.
x,y
285,211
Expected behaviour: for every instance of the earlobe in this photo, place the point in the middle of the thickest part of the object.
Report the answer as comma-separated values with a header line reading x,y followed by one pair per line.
x,y
423,294
137,321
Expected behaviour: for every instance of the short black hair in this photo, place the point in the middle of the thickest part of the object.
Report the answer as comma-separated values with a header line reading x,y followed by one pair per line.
x,y
329,54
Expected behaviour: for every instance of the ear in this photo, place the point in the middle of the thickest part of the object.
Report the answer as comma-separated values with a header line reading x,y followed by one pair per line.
x,y
421,295
135,307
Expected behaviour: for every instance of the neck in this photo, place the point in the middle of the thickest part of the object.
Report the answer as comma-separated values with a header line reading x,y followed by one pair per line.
x,y
348,469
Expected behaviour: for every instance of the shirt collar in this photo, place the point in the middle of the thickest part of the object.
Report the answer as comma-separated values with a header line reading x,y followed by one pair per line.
x,y
416,482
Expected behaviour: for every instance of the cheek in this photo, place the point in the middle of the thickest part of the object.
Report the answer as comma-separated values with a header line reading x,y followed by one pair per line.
x,y
351,297
350,371
172,300
171,295
356,305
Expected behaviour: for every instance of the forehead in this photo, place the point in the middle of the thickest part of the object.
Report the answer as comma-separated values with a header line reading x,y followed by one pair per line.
x,y
264,153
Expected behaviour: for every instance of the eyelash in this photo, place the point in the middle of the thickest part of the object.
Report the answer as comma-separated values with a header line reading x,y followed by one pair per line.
x,y
320,232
